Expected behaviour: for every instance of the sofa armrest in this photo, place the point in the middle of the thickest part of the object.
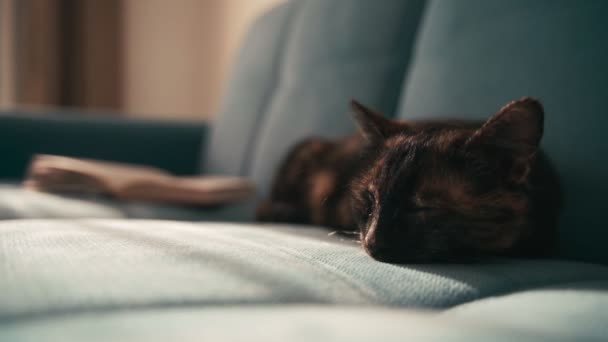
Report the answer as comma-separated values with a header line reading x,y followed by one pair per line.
x,y
173,146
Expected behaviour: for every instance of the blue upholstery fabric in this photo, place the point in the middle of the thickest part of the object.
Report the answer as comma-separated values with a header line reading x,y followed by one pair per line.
x,y
570,311
305,324
473,56
253,78
297,71
57,267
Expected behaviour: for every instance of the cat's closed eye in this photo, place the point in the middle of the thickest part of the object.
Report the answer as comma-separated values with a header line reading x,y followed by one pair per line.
x,y
364,206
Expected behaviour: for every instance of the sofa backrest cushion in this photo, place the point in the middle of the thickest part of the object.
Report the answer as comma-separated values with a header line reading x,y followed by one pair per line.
x,y
251,83
320,55
473,56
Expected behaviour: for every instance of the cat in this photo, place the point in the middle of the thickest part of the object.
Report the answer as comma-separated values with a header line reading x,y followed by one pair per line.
x,y
427,191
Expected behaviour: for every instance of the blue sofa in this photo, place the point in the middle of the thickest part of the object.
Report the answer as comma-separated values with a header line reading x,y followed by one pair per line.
x,y
97,269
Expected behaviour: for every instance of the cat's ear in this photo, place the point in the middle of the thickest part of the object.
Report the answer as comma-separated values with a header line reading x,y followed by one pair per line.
x,y
516,129
374,126
518,125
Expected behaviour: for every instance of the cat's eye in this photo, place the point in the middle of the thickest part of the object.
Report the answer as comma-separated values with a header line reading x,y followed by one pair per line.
x,y
367,203
363,208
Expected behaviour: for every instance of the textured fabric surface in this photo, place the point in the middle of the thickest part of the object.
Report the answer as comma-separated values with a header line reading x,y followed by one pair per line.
x,y
565,310
298,323
473,56
173,146
18,203
62,267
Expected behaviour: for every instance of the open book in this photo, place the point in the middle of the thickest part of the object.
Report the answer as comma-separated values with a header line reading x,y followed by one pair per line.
x,y
60,174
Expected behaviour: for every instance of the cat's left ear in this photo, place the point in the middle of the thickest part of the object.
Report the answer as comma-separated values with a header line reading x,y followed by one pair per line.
x,y
516,128
374,126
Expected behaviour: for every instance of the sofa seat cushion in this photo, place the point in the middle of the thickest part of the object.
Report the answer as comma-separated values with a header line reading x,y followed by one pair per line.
x,y
53,267
18,203
565,310
298,323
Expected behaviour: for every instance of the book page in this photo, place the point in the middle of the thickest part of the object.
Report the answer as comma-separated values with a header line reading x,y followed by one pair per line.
x,y
132,182
201,190
49,170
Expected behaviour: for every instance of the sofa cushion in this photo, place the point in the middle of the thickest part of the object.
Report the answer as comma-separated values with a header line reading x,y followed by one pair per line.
x,y
565,310
473,56
74,266
298,68
297,323
252,80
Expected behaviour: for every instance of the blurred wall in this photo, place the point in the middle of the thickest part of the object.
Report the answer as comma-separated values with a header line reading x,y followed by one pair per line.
x,y
177,54
67,53
7,53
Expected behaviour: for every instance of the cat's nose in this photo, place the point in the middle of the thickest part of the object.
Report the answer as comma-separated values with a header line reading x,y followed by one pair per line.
x,y
378,253
376,246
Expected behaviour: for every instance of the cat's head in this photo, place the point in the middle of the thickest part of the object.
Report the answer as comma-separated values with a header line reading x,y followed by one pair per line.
x,y
442,190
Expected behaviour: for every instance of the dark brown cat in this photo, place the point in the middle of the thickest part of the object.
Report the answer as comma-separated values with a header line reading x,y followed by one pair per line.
x,y
424,191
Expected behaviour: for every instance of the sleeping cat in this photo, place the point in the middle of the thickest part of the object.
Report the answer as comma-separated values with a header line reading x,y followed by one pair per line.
x,y
423,191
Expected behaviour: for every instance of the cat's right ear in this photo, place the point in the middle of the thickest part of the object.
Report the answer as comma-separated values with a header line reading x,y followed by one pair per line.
x,y
515,129
374,126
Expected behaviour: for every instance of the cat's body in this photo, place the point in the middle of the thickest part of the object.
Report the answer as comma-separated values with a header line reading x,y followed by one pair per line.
x,y
313,185
425,191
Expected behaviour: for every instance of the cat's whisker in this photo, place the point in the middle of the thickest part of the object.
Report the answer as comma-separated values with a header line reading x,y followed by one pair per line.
x,y
343,232
346,235
357,241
